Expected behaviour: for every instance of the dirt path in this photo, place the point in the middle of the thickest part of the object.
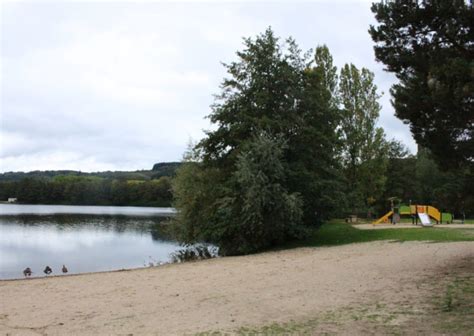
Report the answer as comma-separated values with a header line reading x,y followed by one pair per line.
x,y
369,226
225,293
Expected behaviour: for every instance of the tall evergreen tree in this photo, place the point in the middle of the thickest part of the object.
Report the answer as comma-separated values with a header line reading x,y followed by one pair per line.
x,y
261,94
429,46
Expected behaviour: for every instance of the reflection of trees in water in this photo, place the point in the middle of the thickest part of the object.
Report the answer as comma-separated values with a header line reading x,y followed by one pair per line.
x,y
161,230
117,223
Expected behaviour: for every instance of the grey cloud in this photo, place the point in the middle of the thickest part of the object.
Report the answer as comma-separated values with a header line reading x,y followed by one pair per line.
x,y
93,86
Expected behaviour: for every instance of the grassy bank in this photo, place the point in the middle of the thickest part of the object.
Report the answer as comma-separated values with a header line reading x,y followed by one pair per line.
x,y
337,233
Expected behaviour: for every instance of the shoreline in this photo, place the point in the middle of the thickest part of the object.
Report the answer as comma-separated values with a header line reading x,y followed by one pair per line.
x,y
226,294
56,276
362,226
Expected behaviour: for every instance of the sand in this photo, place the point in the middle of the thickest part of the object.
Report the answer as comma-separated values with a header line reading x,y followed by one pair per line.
x,y
222,293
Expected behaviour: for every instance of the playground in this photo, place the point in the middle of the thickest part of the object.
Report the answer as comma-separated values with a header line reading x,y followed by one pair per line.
x,y
419,214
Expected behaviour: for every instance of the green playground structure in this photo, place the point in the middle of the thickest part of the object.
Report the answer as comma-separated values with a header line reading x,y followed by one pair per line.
x,y
414,211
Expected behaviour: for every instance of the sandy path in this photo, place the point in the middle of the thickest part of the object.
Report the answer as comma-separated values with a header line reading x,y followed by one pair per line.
x,y
219,294
368,226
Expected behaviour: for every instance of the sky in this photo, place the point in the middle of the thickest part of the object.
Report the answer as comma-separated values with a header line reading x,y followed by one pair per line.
x,y
96,86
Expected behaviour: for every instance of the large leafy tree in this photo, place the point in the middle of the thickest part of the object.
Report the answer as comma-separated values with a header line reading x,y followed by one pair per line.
x,y
314,147
269,162
243,209
429,46
258,210
261,94
233,192
281,92
364,146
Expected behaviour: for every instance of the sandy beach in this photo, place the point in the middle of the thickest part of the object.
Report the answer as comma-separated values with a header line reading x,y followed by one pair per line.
x,y
225,294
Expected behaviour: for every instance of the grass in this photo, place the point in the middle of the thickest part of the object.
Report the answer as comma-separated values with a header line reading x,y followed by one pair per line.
x,y
457,306
337,233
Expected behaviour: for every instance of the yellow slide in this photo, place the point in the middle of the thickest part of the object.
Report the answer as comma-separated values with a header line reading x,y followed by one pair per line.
x,y
384,218
434,213
417,209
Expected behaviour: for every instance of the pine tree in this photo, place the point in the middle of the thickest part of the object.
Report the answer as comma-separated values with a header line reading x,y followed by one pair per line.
x,y
429,46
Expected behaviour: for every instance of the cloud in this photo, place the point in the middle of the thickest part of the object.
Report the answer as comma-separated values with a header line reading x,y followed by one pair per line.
x,y
97,85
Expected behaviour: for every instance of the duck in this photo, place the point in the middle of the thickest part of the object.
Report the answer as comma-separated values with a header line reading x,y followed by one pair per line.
x,y
64,269
47,270
27,272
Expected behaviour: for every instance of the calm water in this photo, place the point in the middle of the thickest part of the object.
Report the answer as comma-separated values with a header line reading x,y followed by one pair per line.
x,y
84,238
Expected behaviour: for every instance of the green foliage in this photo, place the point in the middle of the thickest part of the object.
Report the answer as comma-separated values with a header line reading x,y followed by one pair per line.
x,y
261,94
288,133
159,170
195,191
141,188
271,161
365,150
446,190
164,169
428,45
193,253
314,168
88,190
247,211
260,210
418,179
401,181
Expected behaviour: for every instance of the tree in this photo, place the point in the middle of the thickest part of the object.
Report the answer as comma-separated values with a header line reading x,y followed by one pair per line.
x,y
429,46
313,149
258,211
447,190
270,160
196,190
261,94
401,181
245,212
364,146
276,90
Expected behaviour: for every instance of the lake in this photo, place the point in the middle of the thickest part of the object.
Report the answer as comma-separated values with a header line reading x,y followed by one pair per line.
x,y
84,238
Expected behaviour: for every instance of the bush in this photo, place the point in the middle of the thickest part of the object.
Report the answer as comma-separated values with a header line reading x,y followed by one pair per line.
x,y
242,210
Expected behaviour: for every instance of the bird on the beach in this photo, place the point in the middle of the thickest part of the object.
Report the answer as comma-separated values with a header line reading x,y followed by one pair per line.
x,y
64,269
27,272
47,270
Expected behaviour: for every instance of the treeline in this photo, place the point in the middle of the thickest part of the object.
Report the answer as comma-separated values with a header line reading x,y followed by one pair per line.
x,y
141,188
295,143
79,190
419,180
158,170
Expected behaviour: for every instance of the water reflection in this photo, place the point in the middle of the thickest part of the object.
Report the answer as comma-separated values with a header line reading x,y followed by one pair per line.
x,y
84,243
70,222
37,209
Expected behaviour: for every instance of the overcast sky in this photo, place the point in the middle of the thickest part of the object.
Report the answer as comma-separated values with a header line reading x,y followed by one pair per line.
x,y
98,86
